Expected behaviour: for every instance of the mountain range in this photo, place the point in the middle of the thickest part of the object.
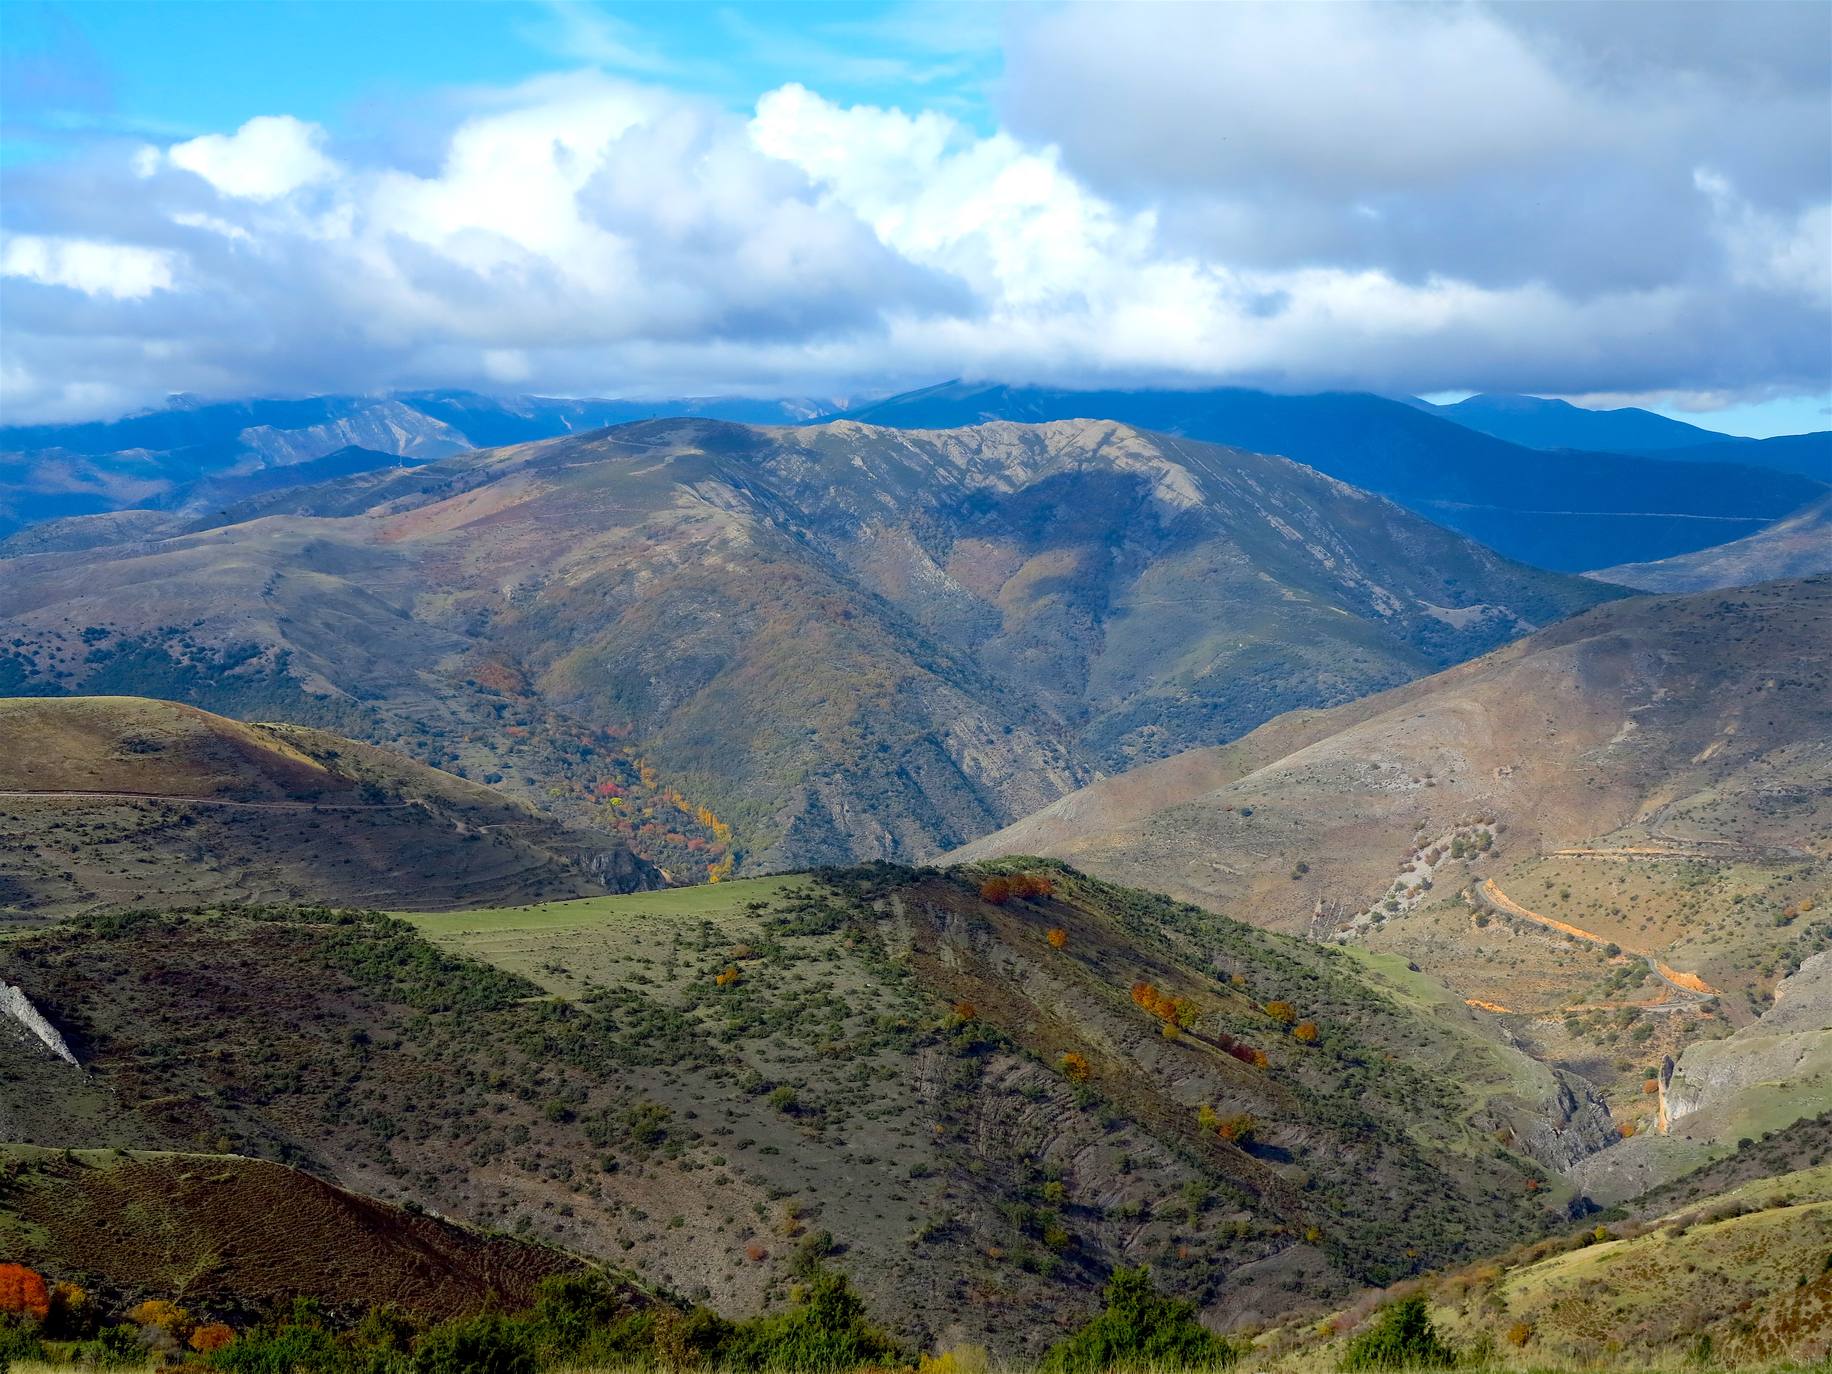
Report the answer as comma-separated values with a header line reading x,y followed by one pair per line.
x,y
841,641
1564,510
1479,466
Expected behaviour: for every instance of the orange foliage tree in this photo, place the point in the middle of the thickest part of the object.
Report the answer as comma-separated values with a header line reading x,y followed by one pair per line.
x,y
1305,1031
1076,1066
211,1337
996,890
1282,1012
23,1292
1057,936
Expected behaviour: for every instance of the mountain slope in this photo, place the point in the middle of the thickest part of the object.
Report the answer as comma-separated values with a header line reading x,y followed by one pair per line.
x,y
119,801
1554,510
1799,546
982,1117
1537,422
230,1235
1624,716
1614,836
842,641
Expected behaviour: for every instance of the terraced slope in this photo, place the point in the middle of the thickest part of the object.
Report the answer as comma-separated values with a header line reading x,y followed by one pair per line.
x,y
979,1105
110,802
836,641
226,1235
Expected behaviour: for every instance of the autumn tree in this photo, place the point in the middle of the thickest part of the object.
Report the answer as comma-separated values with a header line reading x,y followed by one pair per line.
x,y
1057,936
1282,1011
212,1337
1076,1067
996,890
23,1293
1306,1032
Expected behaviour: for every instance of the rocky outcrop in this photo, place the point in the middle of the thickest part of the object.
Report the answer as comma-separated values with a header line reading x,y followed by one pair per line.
x,y
18,1006
1571,1125
1767,1075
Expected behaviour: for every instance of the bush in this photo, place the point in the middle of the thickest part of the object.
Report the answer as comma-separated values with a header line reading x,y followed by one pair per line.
x,y
292,1348
489,1344
826,1330
1402,1338
1139,1326
17,1342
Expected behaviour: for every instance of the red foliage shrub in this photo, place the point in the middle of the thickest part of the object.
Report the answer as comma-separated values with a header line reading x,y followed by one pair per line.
x,y
996,890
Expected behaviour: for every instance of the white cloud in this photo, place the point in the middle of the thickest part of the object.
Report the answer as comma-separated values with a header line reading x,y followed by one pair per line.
x,y
589,234
268,157
95,268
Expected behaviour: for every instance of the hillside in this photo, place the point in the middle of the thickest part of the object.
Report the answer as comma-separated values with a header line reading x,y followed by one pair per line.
x,y
228,1235
1553,510
960,1092
108,802
1591,833
1799,546
805,644
1735,1279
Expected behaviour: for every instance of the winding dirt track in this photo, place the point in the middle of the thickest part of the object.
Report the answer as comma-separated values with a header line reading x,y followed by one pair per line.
x,y
1690,986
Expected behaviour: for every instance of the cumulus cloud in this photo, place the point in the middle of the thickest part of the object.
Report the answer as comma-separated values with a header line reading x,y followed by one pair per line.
x,y
268,157
1403,198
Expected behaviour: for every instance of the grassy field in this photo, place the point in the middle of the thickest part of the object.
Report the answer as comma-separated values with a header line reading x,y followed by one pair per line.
x,y
705,900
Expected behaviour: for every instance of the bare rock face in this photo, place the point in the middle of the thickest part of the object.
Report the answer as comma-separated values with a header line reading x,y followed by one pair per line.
x,y
1773,1070
17,1005
1575,1124
1778,1048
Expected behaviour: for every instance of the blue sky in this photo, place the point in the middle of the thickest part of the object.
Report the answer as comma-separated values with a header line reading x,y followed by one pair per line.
x,y
1617,204
180,68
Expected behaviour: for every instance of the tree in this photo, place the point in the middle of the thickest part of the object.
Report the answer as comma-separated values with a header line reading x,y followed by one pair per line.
x,y
1139,1327
1305,1031
1057,936
1075,1067
1402,1338
996,890
23,1292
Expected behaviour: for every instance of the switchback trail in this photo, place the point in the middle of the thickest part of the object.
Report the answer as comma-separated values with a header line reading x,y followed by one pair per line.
x,y
1690,986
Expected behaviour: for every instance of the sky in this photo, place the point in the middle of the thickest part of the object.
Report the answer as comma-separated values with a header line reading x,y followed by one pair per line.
x,y
1613,203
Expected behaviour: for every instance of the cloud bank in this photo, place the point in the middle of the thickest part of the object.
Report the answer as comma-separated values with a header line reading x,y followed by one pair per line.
x,y
1614,199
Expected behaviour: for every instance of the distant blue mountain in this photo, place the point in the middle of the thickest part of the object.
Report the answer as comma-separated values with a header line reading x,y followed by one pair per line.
x,y
1558,509
1535,422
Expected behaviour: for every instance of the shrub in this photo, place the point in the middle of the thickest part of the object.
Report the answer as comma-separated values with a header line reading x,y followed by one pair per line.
x,y
23,1293
1402,1338
18,1342
1057,936
292,1348
1139,1326
1075,1067
1520,1333
1237,1129
1282,1012
996,890
212,1337
1306,1032
488,1344
826,1330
